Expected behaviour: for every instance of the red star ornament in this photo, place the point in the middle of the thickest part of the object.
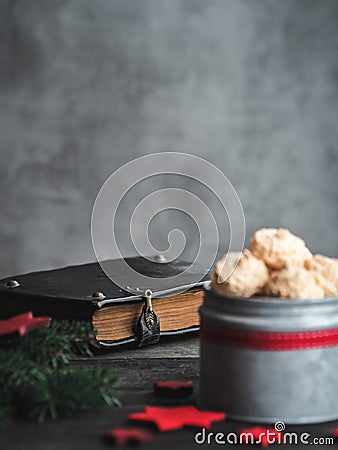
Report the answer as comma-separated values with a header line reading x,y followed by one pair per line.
x,y
124,436
173,389
334,433
260,435
173,385
175,418
22,323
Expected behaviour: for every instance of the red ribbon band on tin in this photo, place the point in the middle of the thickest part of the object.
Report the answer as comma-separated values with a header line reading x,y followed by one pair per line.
x,y
273,341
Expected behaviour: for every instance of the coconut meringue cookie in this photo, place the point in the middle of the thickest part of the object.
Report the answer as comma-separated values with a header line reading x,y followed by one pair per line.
x,y
277,247
278,264
325,270
239,274
292,282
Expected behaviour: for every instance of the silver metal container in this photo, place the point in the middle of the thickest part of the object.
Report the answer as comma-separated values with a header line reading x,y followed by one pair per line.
x,y
269,360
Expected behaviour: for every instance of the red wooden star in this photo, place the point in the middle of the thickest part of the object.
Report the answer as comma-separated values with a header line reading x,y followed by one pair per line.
x,y
260,435
124,436
334,433
22,323
172,384
175,418
173,389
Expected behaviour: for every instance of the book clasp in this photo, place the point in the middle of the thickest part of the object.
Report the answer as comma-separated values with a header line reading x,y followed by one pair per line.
x,y
148,326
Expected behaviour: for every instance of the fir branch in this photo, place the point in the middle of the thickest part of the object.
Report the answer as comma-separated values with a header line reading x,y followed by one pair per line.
x,y
6,408
17,369
36,380
57,396
56,343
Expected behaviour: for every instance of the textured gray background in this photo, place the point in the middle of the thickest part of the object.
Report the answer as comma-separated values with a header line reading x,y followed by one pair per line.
x,y
86,86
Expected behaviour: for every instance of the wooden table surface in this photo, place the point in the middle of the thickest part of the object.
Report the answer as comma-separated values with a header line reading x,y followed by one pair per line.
x,y
171,359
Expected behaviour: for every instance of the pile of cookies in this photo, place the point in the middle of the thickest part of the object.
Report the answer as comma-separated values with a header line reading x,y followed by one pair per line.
x,y
278,264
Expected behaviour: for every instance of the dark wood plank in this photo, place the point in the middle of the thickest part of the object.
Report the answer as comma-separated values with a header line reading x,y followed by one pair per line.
x,y
184,346
137,370
85,431
141,374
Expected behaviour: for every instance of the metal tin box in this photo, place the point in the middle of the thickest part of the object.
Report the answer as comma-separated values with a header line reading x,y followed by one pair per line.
x,y
269,359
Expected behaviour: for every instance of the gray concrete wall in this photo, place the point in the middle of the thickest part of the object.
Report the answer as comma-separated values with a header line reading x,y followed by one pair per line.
x,y
86,86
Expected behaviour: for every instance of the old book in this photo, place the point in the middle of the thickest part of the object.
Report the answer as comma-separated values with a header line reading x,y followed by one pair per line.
x,y
67,293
